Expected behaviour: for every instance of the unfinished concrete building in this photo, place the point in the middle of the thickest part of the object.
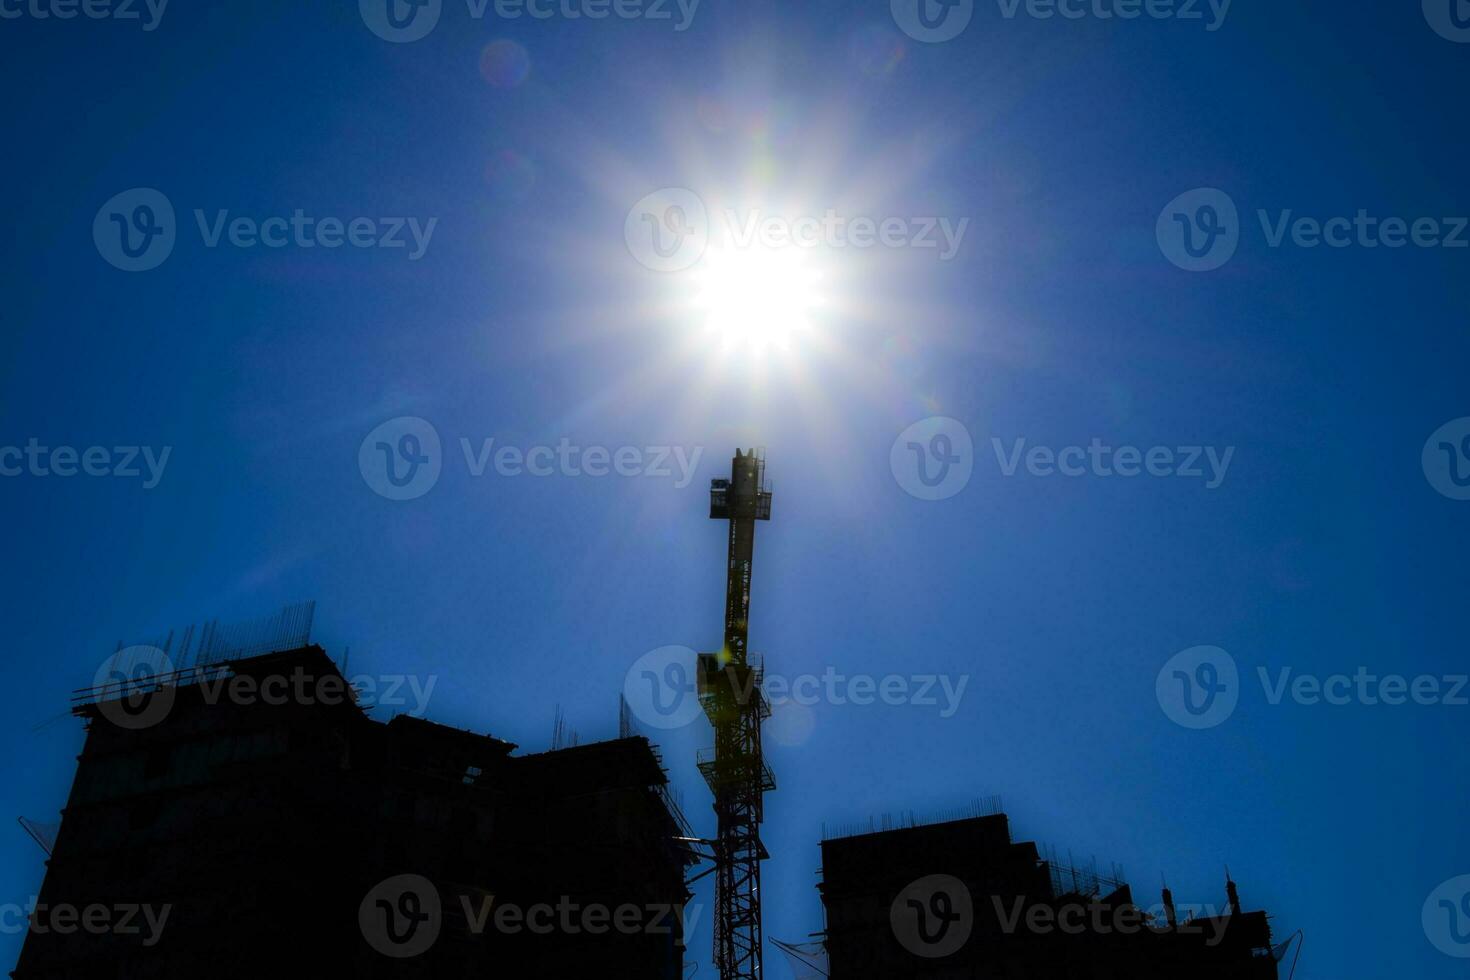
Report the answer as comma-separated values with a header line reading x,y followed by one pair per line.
x,y
297,834
961,899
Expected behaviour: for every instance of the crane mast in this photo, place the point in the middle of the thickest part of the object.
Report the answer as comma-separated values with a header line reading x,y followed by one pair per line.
x,y
730,692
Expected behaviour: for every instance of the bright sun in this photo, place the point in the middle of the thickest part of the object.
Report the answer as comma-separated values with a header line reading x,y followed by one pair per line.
x,y
757,297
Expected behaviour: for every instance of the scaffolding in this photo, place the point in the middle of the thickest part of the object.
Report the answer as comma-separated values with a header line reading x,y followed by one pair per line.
x,y
202,654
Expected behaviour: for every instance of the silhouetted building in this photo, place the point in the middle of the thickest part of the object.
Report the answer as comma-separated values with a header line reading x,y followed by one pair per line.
x,y
960,899
248,819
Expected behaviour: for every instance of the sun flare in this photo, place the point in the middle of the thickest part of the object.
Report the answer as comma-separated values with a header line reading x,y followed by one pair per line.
x,y
756,298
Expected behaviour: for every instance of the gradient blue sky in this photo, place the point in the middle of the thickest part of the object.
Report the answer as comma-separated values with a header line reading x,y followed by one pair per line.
x,y
527,320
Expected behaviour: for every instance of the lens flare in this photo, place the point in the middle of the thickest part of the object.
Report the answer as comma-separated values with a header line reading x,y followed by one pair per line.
x,y
757,298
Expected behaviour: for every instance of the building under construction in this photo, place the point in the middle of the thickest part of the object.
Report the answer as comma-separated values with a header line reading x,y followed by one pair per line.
x,y
259,833
960,899
267,834
299,830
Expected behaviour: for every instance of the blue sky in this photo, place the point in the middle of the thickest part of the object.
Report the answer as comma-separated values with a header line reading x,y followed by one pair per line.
x,y
1062,317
